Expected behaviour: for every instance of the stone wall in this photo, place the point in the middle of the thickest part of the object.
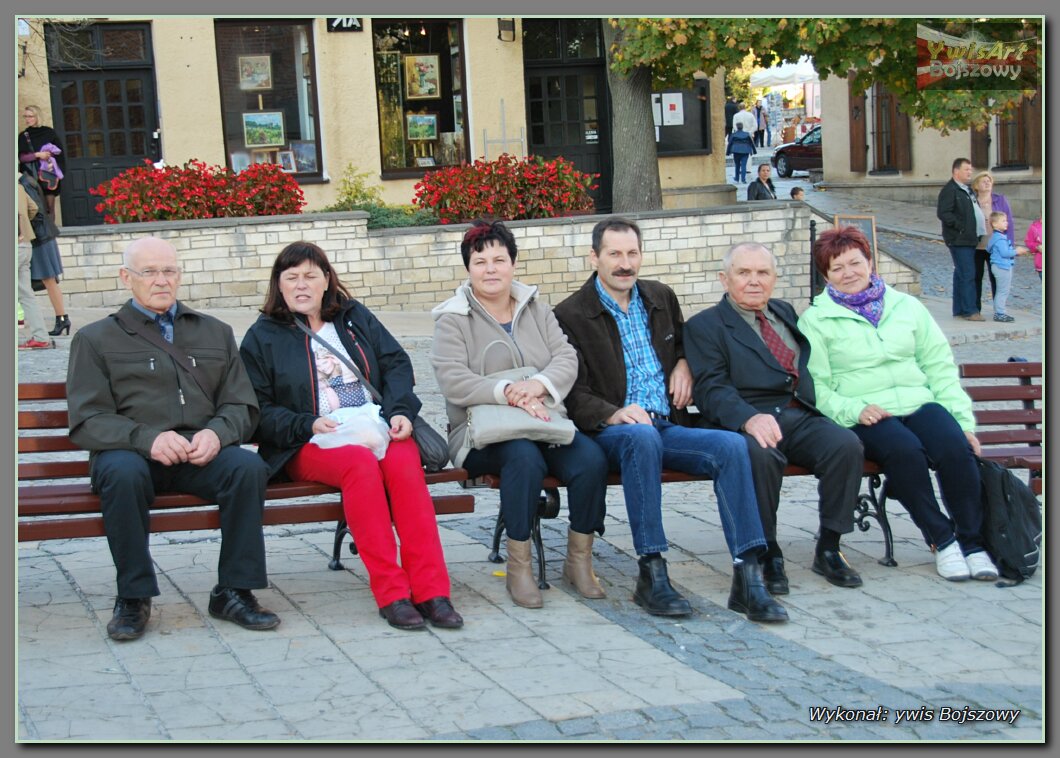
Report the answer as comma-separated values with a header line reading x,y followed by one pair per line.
x,y
227,262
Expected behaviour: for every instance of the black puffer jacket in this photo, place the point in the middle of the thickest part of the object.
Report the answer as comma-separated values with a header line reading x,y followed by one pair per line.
x,y
280,363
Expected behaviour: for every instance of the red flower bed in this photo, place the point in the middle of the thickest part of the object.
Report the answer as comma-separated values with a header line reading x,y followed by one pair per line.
x,y
507,188
196,191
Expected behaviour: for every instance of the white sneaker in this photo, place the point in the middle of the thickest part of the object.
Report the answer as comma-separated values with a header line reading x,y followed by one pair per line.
x,y
981,567
950,563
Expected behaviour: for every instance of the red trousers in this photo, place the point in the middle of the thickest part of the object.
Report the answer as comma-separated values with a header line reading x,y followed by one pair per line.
x,y
378,498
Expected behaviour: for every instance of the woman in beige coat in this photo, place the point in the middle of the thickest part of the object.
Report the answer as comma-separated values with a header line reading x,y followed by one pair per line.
x,y
492,307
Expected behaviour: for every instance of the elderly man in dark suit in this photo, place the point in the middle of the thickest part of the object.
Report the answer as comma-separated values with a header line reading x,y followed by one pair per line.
x,y
748,362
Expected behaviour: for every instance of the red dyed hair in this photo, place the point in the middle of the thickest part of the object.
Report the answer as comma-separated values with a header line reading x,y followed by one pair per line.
x,y
833,243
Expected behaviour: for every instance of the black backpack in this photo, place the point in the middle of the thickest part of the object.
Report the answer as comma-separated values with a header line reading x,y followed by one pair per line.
x,y
1012,522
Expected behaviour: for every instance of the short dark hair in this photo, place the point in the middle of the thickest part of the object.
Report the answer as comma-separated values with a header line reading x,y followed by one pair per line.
x,y
613,224
295,254
957,163
483,232
834,242
796,190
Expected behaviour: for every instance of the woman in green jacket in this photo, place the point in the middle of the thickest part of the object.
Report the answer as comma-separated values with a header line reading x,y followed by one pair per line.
x,y
882,367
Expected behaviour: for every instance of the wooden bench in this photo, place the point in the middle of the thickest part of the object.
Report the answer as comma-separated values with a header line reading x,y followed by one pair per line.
x,y
1009,435
55,500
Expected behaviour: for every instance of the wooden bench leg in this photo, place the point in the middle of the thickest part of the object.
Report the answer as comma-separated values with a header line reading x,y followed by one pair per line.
x,y
871,505
341,531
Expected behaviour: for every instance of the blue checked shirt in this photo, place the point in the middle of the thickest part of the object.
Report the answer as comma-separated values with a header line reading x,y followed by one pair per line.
x,y
163,320
645,383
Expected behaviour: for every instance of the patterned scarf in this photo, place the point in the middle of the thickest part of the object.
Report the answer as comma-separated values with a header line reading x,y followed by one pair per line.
x,y
867,303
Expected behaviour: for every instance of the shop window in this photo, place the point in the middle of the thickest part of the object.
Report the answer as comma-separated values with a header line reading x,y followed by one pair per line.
x,y
421,96
268,101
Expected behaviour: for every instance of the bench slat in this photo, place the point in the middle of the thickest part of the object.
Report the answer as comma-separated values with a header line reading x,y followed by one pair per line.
x,y
50,444
43,419
999,370
1009,436
493,481
42,391
991,392
28,472
1009,417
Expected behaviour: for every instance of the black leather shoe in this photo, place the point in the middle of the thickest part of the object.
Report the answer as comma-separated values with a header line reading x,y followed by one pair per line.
x,y
241,607
655,594
834,567
130,618
749,594
441,613
773,573
401,614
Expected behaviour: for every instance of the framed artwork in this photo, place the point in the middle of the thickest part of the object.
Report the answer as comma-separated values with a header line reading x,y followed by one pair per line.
x,y
457,70
425,161
287,162
453,34
263,156
421,127
867,224
305,155
458,113
305,64
240,160
255,72
263,129
422,81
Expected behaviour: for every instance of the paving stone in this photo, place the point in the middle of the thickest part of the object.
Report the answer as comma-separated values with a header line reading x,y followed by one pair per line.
x,y
537,730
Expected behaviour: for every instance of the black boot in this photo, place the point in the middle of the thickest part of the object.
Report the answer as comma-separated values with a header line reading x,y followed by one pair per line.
x,y
654,592
62,324
749,594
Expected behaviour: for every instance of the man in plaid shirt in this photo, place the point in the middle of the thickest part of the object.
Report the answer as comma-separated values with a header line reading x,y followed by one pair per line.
x,y
632,394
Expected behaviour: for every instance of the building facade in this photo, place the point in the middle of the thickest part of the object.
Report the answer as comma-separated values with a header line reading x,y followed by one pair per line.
x,y
390,97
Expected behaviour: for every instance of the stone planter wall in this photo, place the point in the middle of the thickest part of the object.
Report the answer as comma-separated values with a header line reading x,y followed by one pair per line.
x,y
227,262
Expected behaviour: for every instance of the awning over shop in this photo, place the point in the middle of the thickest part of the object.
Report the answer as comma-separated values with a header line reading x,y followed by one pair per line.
x,y
785,74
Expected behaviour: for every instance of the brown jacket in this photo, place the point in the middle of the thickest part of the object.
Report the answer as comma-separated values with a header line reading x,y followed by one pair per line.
x,y
600,388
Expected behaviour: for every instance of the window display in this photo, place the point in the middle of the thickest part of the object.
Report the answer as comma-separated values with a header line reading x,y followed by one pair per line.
x,y
419,81
267,95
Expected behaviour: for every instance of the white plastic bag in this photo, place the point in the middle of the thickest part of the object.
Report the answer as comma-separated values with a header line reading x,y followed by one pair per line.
x,y
357,426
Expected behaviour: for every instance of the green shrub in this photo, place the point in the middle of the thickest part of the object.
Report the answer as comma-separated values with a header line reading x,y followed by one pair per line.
x,y
355,194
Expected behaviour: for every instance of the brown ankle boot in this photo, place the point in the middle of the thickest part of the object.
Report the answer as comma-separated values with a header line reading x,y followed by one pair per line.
x,y
520,581
578,568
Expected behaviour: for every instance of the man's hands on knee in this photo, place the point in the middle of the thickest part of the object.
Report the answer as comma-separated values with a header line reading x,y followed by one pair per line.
x,y
205,446
631,414
764,428
170,448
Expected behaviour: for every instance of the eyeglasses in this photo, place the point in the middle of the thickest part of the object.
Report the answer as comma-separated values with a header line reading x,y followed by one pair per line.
x,y
152,273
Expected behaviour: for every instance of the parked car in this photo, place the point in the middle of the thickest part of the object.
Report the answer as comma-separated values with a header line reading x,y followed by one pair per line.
x,y
801,155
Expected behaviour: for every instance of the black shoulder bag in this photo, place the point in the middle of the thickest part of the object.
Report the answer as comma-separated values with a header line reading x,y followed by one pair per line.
x,y
434,452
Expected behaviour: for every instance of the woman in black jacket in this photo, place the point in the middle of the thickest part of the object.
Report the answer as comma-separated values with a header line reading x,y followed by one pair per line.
x,y
297,391
762,188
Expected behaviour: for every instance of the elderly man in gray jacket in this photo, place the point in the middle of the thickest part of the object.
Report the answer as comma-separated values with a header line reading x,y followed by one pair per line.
x,y
158,394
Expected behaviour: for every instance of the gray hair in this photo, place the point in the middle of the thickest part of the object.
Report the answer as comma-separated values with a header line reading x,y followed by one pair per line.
x,y
726,262
134,247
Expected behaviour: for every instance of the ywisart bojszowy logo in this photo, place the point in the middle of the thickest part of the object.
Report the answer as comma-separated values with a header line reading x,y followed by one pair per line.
x,y
990,57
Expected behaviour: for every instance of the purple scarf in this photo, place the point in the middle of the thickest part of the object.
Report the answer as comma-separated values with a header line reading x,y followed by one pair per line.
x,y
867,303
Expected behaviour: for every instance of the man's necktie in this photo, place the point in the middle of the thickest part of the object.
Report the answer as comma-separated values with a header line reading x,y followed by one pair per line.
x,y
785,355
165,326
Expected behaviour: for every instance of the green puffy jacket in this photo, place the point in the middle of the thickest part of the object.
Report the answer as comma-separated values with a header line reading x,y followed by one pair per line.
x,y
903,364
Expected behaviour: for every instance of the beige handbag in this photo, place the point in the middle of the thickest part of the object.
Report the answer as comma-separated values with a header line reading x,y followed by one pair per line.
x,y
489,423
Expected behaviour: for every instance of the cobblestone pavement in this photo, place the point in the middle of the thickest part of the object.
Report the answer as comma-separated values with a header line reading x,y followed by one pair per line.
x,y
576,670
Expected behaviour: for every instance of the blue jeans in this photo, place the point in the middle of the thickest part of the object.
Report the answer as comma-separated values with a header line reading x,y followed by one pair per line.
x,y
963,280
905,447
640,452
1003,277
740,161
522,465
